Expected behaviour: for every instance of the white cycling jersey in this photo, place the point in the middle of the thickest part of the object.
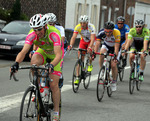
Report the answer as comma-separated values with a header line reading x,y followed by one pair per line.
x,y
61,29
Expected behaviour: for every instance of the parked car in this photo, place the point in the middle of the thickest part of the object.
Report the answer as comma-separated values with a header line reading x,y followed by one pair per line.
x,y
12,37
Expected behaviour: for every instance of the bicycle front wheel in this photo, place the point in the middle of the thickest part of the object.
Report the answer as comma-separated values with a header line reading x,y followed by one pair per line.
x,y
132,81
87,76
100,84
28,111
121,69
76,78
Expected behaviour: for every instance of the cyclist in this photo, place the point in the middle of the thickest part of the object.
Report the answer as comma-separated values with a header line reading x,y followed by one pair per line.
x,y
87,32
111,38
48,40
138,38
124,30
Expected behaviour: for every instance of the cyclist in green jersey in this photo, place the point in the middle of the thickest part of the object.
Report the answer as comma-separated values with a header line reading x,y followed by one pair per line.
x,y
48,40
138,38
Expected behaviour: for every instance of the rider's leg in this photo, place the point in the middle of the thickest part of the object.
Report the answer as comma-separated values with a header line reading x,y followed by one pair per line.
x,y
114,70
103,49
55,93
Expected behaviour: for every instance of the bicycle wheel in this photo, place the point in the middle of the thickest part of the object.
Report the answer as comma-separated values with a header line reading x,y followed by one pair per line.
x,y
131,81
121,69
100,84
77,68
28,111
109,91
87,75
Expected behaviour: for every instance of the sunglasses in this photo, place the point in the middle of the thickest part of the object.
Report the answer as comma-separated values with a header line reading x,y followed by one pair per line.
x,y
108,32
120,23
138,26
38,29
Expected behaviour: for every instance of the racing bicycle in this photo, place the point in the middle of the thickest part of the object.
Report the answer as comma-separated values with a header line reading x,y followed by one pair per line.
x,y
81,70
104,77
33,105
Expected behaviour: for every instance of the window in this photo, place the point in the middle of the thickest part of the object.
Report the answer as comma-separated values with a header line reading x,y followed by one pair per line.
x,y
78,13
94,15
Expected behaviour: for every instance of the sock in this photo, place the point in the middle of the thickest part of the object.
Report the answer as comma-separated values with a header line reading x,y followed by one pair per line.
x,y
56,113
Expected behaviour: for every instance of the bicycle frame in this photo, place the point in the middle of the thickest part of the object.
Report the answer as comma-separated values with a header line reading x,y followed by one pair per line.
x,y
35,86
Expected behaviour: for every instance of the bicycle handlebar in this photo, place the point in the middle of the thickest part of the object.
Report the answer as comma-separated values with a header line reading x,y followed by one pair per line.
x,y
108,54
12,74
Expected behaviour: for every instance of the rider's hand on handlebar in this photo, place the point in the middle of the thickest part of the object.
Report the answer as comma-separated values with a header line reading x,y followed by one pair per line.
x,y
51,67
14,67
115,58
69,47
89,50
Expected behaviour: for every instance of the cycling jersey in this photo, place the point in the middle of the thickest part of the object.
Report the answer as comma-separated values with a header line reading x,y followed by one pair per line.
x,y
85,34
123,31
61,29
138,38
46,45
109,41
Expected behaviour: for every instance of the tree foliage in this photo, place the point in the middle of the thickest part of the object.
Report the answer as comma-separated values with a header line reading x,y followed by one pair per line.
x,y
16,11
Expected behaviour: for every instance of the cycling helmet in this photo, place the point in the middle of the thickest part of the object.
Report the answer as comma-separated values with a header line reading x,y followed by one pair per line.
x,y
83,18
109,25
51,17
38,20
121,18
139,22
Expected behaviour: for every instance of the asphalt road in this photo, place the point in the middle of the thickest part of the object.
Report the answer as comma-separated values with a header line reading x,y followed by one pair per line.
x,y
82,106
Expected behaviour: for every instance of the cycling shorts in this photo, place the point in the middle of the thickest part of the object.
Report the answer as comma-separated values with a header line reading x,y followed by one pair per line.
x,y
137,46
83,44
57,68
108,48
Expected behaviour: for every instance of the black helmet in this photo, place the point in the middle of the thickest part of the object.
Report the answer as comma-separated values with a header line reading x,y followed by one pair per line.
x,y
109,25
121,18
139,22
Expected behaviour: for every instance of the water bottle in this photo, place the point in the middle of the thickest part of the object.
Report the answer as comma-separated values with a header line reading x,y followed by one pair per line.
x,y
44,93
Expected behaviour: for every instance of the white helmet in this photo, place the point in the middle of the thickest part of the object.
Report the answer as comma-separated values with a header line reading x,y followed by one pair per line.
x,y
38,20
83,18
51,17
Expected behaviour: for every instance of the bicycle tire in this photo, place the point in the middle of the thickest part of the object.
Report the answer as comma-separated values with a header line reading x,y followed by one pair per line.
x,y
109,91
131,81
75,87
121,69
100,84
87,76
32,113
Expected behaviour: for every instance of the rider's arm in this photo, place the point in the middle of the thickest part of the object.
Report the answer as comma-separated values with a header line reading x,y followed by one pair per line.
x,y
92,40
126,35
117,48
20,57
145,45
130,40
57,51
97,45
72,41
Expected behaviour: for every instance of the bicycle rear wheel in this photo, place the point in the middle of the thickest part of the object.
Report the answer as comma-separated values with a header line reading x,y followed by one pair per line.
x,y
28,111
100,84
121,69
87,75
131,81
77,69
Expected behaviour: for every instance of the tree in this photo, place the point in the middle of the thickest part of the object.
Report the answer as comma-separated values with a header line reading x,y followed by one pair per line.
x,y
16,11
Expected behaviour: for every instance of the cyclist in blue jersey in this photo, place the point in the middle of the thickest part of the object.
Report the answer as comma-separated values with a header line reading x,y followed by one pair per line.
x,y
124,30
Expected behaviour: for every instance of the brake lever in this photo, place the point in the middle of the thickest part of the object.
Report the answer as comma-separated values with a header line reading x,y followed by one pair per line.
x,y
12,74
